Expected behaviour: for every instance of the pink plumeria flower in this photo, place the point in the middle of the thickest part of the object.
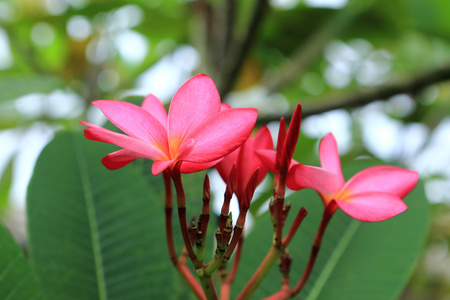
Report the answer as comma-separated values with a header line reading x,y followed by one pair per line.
x,y
374,194
246,163
196,131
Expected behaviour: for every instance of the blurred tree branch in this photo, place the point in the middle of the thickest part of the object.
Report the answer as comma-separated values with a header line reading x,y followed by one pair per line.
x,y
357,99
308,51
222,47
232,62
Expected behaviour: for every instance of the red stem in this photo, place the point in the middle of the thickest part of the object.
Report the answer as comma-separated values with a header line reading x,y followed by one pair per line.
x,y
279,203
226,285
180,266
238,228
294,227
327,214
181,204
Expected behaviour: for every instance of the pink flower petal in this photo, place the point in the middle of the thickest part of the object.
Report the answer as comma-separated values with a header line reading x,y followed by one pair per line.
x,y
387,179
160,165
134,121
224,106
226,164
268,158
246,165
195,101
329,157
155,107
188,167
142,148
372,206
247,161
185,148
221,134
119,159
262,140
318,179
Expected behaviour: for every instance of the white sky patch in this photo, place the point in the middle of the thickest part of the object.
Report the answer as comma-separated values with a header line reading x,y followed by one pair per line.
x,y
259,98
434,159
58,104
374,70
56,7
337,77
132,46
356,60
8,141
31,143
438,190
79,28
95,116
98,50
166,76
284,4
6,59
326,3
30,106
125,17
380,133
338,122
400,105
61,104
411,141
78,3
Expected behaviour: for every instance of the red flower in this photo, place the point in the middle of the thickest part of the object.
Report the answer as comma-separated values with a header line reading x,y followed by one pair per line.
x,y
196,130
246,162
374,194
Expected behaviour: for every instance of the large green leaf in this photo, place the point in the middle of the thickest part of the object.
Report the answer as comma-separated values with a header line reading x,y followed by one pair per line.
x,y
95,233
17,279
357,260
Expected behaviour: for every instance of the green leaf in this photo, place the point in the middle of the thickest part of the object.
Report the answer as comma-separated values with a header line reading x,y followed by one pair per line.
x,y
95,233
17,279
14,87
357,260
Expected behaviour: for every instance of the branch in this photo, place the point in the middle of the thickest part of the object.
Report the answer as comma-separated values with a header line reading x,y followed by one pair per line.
x,y
231,65
412,86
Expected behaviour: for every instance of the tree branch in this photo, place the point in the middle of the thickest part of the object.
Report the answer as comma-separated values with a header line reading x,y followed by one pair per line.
x,y
232,63
311,48
412,86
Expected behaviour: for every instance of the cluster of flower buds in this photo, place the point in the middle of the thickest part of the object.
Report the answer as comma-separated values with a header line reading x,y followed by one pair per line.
x,y
198,133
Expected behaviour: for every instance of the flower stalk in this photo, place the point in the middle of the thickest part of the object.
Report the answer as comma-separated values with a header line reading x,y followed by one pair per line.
x,y
179,265
327,214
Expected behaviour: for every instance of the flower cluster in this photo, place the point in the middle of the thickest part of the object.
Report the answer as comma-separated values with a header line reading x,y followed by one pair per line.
x,y
199,132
